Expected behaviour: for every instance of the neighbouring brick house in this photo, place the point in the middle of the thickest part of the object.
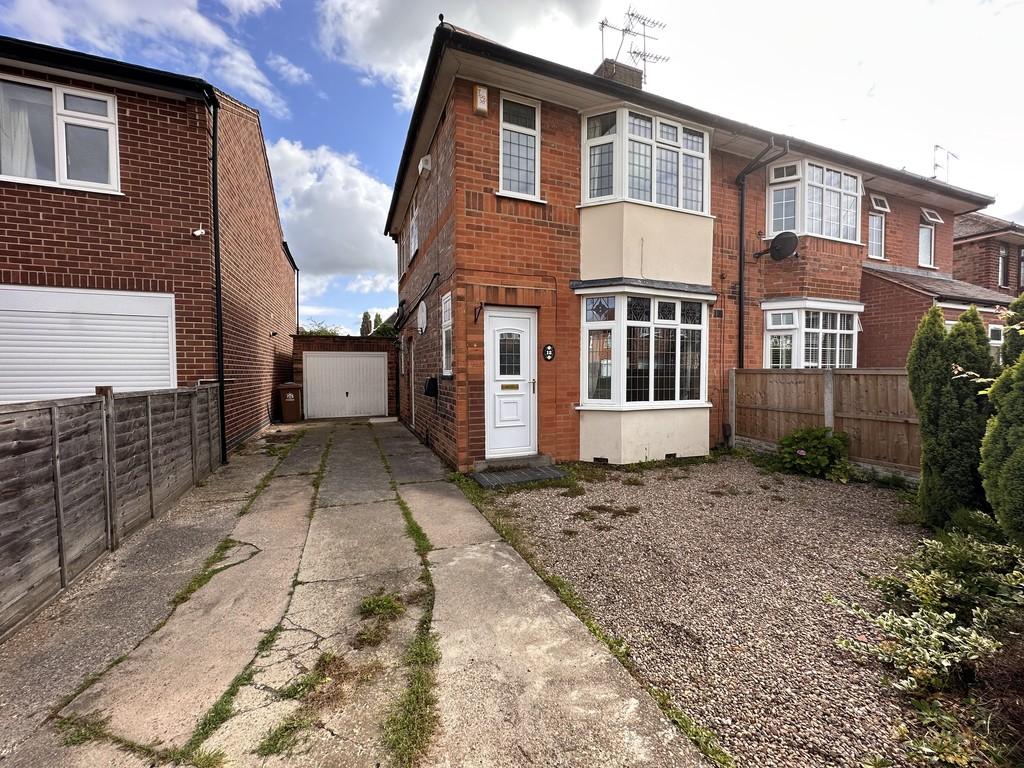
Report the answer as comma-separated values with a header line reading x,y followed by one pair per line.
x,y
131,199
572,276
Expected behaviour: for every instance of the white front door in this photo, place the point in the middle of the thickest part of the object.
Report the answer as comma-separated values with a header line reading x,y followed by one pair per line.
x,y
510,385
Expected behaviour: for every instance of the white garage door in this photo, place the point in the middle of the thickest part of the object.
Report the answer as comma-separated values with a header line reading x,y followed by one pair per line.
x,y
63,342
338,384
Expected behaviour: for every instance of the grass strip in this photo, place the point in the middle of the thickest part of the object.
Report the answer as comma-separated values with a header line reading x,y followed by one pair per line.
x,y
209,570
281,453
704,739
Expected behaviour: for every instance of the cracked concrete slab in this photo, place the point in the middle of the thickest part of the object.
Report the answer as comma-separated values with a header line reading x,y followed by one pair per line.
x,y
417,468
356,540
521,680
446,515
354,475
273,521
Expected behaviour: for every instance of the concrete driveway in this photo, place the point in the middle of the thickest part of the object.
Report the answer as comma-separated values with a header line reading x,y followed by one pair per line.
x,y
271,658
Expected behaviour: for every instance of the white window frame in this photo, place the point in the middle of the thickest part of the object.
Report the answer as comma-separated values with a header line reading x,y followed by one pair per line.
x,y
930,263
781,187
413,246
1003,267
618,326
446,343
1020,269
802,180
996,346
63,117
881,245
798,328
620,157
535,132
880,203
931,216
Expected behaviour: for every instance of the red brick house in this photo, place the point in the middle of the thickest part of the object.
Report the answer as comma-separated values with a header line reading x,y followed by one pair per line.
x,y
140,243
581,262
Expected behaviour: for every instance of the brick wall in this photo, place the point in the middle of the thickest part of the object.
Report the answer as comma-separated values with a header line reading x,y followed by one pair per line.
x,y
258,282
890,318
305,343
902,228
138,241
977,262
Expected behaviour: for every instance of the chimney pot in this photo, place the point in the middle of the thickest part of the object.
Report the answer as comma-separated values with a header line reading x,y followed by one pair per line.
x,y
621,73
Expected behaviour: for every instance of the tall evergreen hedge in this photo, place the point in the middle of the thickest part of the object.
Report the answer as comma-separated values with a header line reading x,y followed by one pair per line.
x,y
1002,452
1013,338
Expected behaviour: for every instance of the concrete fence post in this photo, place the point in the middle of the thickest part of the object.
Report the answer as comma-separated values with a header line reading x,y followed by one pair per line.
x,y
110,467
732,407
830,398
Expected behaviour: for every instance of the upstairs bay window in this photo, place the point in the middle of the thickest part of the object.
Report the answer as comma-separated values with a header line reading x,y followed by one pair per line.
x,y
653,160
520,147
58,136
643,351
813,198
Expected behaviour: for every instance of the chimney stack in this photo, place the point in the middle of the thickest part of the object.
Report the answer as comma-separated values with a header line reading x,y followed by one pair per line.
x,y
621,73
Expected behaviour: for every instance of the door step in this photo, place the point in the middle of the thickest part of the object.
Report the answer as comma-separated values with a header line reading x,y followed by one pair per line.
x,y
515,462
502,478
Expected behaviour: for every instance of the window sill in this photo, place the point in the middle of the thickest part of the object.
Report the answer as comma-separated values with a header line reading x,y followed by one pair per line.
x,y
610,201
644,406
860,243
524,198
447,377
927,266
877,258
57,185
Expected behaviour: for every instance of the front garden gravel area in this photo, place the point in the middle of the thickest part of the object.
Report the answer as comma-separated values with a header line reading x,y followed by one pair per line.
x,y
715,575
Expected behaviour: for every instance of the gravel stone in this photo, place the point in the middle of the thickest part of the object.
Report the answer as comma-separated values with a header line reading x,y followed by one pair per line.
x,y
717,584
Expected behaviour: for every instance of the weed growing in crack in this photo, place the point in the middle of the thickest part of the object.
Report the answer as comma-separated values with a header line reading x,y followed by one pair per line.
x,y
327,666
385,605
371,635
704,739
268,640
284,736
209,570
82,729
318,478
219,713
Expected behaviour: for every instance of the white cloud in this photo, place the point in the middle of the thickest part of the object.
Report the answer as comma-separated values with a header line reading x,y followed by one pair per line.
x,y
388,39
289,71
173,33
382,281
239,8
333,213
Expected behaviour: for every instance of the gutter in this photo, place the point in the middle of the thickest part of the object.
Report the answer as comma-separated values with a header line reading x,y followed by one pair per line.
x,y
214,103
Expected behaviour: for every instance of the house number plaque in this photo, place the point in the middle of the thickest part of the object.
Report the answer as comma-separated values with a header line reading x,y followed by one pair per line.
x,y
548,352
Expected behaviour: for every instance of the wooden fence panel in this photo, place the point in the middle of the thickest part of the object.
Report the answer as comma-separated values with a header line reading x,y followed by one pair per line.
x,y
82,485
872,405
131,463
172,447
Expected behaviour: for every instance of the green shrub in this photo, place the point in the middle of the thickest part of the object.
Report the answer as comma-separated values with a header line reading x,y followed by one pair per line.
x,y
1013,332
1002,452
814,451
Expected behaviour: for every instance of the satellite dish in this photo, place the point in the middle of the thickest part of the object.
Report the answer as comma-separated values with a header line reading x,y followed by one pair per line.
x,y
783,246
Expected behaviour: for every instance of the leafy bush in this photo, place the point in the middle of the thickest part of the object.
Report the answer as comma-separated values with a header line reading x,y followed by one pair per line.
x,y
1002,452
814,451
1013,331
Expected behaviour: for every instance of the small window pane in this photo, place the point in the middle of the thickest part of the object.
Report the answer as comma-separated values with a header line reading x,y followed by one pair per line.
x,y
88,153
833,178
829,321
828,350
849,229
639,171
668,132
519,162
784,209
924,246
689,364
638,366
831,213
780,350
812,320
519,114
784,171
816,174
26,132
693,183
845,351
601,125
447,343
693,140
777,319
600,309
638,309
846,321
665,363
668,177
849,183
601,165
599,364
640,125
666,310
84,104
876,225
509,363
811,339
691,313
815,209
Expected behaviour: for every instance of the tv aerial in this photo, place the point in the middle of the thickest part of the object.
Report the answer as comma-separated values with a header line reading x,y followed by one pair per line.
x,y
636,27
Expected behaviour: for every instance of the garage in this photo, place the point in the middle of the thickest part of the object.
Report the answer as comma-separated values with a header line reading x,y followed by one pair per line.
x,y
63,342
339,384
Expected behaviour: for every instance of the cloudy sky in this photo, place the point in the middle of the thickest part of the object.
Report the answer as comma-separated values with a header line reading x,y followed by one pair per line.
x,y
335,80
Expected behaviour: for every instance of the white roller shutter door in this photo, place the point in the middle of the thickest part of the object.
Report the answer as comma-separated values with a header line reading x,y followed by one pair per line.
x,y
61,342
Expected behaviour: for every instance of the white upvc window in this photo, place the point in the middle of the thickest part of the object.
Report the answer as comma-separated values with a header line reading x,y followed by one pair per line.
x,y
1004,267
995,341
880,203
519,170
811,333
926,245
414,231
808,197
931,216
644,351
57,136
876,236
446,334
1020,269
644,157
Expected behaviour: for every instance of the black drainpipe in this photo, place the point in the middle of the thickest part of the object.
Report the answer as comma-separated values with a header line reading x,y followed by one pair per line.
x,y
741,181
218,299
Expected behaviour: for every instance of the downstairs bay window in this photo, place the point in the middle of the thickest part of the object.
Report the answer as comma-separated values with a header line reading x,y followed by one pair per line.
x,y
809,333
644,351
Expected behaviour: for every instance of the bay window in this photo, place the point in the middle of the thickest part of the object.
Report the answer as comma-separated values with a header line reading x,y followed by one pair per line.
x,y
814,198
652,160
58,136
644,351
520,147
810,333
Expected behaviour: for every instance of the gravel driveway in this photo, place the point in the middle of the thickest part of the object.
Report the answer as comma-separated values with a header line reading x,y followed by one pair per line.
x,y
715,574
